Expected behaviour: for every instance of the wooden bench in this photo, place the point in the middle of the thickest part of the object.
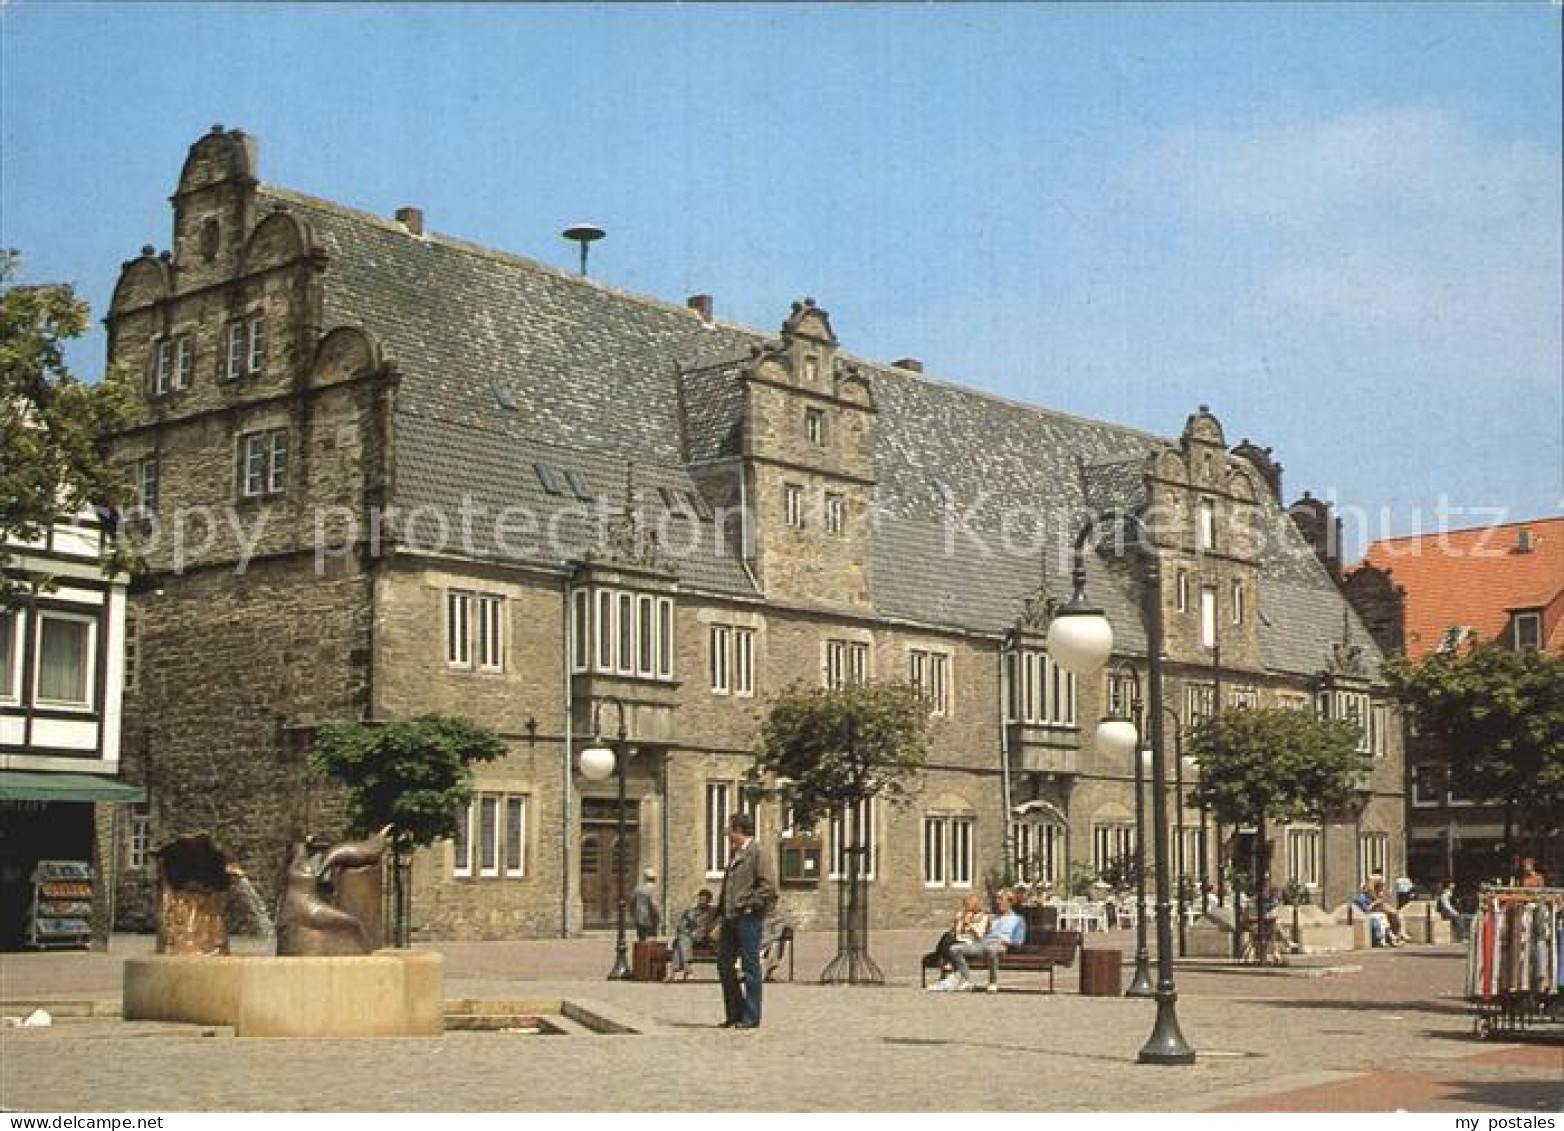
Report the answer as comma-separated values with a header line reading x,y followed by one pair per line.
x,y
782,944
1048,950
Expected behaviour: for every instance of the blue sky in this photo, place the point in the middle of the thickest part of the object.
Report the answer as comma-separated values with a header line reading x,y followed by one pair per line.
x,y
1338,225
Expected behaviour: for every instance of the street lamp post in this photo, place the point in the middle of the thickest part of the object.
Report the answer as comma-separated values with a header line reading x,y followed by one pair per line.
x,y
1118,736
1178,808
597,762
1080,639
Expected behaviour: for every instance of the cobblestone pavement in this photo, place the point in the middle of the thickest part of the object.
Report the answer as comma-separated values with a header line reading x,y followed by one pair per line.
x,y
1363,1031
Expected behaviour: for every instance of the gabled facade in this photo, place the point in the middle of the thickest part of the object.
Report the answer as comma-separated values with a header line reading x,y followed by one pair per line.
x,y
453,480
64,657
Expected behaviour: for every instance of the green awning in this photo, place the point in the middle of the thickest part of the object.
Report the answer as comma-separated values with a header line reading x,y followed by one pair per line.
x,y
40,785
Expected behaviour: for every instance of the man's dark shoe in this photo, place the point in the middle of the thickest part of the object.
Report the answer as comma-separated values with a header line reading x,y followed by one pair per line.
x,y
727,1025
745,1025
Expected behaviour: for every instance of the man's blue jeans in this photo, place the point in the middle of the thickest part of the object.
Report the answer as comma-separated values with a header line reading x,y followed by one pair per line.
x,y
741,939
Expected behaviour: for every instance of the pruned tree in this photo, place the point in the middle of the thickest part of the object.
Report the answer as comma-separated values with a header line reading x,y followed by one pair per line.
x,y
836,748
1499,714
1276,764
53,427
413,775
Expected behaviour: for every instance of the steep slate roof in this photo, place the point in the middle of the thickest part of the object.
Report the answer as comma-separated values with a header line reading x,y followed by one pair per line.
x,y
598,377
1475,578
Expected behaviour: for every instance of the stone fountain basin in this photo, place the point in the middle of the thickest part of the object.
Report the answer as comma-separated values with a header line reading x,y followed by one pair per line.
x,y
390,993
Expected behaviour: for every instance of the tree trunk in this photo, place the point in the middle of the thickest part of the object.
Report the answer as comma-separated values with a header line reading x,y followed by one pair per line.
x,y
399,897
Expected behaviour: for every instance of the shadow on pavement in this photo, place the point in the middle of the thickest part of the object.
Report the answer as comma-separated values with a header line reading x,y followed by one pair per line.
x,y
924,1042
1444,1008
1512,1095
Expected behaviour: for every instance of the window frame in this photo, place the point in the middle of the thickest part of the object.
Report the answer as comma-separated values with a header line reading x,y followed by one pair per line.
x,y
462,842
458,639
1208,616
580,629
793,505
719,644
11,667
138,837
1205,524
646,648
719,809
89,679
488,839
846,662
1117,834
935,856
948,850
1037,848
273,471
928,671
835,512
837,828
174,364
1372,844
1305,844
814,426
743,681
1525,616
488,647
1043,693
664,628
235,352
1419,799
146,478
515,808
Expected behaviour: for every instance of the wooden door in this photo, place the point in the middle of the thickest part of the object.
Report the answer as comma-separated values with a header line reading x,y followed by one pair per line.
x,y
598,895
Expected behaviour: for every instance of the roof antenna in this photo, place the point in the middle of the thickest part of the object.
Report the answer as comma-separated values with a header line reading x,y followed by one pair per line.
x,y
585,235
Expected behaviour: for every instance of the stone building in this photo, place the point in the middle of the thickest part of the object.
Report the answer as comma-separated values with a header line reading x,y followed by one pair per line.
x,y
399,473
1425,593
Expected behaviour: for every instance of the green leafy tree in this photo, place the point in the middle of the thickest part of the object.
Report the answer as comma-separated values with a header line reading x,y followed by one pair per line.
x,y
53,427
1277,764
836,748
413,775
1499,714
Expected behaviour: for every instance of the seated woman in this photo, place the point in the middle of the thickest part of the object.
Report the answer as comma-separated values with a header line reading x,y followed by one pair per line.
x,y
969,926
1384,920
694,927
1004,932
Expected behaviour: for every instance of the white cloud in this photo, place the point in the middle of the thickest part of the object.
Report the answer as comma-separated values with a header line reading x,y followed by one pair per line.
x,y
1402,239
1409,160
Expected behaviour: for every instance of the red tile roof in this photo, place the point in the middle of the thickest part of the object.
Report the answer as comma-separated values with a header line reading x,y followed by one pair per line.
x,y
1476,578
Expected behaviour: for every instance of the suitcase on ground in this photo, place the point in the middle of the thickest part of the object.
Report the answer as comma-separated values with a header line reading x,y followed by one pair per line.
x,y
649,961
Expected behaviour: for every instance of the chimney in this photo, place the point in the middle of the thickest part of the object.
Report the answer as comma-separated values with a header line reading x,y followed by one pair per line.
x,y
412,219
702,305
910,364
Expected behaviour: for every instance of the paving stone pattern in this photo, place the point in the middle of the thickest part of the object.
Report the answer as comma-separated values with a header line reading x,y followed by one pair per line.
x,y
1393,1035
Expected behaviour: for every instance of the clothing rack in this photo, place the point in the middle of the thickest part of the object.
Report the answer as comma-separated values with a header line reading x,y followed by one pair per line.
x,y
1515,959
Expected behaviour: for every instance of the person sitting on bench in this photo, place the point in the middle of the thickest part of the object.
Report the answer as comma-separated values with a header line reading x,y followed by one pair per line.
x,y
969,926
694,927
1006,931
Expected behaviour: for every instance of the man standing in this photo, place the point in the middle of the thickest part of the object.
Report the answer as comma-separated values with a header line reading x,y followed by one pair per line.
x,y
749,890
643,906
